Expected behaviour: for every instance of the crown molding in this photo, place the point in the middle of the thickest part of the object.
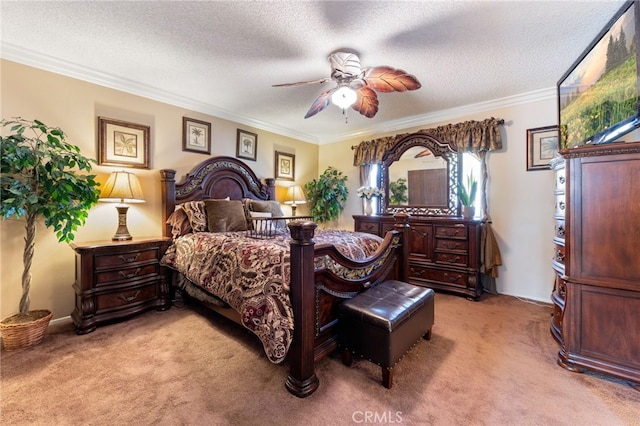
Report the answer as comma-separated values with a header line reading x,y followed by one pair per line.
x,y
48,63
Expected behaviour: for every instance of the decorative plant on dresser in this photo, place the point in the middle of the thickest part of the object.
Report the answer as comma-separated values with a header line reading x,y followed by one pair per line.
x,y
40,178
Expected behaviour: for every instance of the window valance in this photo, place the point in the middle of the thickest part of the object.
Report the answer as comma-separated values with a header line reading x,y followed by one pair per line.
x,y
468,136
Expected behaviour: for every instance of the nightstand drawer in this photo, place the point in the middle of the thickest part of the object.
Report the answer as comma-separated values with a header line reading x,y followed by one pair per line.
x,y
125,259
109,277
125,297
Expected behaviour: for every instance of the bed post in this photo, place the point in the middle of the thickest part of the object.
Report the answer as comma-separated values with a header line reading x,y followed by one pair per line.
x,y
168,198
302,380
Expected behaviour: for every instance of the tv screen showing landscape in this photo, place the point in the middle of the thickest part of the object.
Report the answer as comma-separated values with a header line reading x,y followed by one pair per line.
x,y
598,98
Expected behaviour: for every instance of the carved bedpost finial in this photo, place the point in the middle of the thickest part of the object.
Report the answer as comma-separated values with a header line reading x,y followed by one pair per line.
x,y
302,231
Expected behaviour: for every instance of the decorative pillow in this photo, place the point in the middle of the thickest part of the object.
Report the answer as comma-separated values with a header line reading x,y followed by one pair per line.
x,y
261,225
197,215
225,216
179,222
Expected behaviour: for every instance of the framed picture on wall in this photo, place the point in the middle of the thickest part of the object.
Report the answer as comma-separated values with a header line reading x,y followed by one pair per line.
x,y
542,146
285,166
123,144
246,145
196,136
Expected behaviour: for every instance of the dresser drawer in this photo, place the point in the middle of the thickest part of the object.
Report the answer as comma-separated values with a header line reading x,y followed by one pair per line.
x,y
453,258
559,254
125,259
131,273
368,227
561,205
559,228
452,245
561,180
126,297
449,278
451,232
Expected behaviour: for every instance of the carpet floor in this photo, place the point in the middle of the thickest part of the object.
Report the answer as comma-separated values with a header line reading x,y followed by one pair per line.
x,y
491,362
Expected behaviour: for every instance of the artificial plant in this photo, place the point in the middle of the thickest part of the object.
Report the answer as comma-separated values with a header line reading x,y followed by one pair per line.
x,y
327,195
467,193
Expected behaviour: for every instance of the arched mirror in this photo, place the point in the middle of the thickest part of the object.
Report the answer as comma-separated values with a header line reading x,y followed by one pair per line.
x,y
419,175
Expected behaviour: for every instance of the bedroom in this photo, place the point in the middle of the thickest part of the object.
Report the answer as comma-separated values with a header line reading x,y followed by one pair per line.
x,y
521,202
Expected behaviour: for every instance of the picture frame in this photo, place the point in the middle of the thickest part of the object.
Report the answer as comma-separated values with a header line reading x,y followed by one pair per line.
x,y
598,97
542,147
246,145
196,136
121,143
285,166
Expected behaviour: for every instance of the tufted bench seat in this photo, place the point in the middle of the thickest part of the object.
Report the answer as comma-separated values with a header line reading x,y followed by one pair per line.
x,y
382,323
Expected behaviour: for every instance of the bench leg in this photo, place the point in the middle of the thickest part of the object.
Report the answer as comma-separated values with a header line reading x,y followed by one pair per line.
x,y
387,377
427,335
347,357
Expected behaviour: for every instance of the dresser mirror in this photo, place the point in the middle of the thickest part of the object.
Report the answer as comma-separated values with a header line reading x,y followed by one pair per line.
x,y
419,175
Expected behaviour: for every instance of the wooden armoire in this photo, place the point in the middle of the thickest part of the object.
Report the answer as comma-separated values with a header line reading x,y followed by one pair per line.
x,y
597,296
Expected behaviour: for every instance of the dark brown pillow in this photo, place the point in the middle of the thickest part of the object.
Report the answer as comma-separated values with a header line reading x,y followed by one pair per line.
x,y
225,216
179,222
270,206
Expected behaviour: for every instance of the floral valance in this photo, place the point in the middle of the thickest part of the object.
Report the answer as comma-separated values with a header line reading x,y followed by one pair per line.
x,y
468,136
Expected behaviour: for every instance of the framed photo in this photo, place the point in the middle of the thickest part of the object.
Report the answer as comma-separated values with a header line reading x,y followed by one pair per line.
x,y
196,136
542,146
285,166
123,144
246,145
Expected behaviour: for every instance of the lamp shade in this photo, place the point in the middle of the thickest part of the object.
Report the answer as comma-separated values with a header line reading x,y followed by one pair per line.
x,y
122,187
295,195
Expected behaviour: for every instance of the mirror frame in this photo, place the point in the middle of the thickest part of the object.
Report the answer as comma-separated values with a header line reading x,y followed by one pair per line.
x,y
439,149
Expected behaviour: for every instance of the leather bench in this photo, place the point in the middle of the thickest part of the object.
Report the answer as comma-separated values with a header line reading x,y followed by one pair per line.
x,y
382,323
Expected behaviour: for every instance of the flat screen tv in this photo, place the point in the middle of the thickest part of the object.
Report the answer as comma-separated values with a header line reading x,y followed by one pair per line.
x,y
598,97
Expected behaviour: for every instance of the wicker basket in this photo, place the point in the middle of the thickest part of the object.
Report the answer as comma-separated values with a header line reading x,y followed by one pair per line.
x,y
22,335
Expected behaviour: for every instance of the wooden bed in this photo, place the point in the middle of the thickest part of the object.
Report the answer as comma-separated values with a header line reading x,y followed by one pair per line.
x,y
320,276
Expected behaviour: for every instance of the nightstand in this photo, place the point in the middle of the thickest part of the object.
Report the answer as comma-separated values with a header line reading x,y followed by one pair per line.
x,y
118,279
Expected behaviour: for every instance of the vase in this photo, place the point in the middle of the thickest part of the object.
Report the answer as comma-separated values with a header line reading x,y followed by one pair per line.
x,y
367,206
468,212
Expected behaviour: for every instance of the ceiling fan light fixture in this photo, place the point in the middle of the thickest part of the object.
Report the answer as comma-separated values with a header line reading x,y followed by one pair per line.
x,y
344,97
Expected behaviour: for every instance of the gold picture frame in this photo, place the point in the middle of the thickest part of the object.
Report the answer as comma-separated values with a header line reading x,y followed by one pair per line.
x,y
285,166
121,143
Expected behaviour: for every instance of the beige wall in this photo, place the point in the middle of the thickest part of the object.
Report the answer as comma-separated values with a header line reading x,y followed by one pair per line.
x,y
74,106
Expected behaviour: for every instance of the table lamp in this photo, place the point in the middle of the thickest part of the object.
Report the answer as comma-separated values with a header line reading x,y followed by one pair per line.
x,y
295,196
122,187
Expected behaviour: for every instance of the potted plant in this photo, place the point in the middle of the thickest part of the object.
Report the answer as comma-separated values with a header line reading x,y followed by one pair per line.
x,y
40,179
398,192
467,195
327,195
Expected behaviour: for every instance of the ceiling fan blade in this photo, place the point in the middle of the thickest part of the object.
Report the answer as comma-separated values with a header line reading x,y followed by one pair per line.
x,y
320,103
367,103
388,79
302,83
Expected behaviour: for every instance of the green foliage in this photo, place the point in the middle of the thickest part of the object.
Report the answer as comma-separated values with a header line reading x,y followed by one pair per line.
x,y
39,179
327,195
398,192
467,193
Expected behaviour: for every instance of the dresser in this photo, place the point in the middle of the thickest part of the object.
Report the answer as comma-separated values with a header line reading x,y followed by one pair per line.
x,y
557,263
118,279
600,327
443,252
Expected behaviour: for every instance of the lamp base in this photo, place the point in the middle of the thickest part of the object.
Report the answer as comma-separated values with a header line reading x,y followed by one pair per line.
x,y
122,233
293,209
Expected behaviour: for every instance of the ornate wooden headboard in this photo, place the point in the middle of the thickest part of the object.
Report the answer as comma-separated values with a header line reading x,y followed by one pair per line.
x,y
216,177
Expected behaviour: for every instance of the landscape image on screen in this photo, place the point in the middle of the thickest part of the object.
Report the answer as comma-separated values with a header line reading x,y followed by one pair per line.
x,y
602,91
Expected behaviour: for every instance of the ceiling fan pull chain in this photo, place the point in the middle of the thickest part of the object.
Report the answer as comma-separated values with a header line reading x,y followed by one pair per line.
x,y
346,117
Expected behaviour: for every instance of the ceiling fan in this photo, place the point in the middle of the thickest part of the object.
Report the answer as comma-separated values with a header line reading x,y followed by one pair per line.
x,y
356,86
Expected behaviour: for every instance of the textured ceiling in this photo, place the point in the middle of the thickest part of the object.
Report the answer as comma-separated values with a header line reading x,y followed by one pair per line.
x,y
222,57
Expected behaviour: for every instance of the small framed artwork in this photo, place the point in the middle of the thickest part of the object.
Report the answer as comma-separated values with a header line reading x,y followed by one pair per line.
x,y
246,145
542,146
285,166
196,136
123,144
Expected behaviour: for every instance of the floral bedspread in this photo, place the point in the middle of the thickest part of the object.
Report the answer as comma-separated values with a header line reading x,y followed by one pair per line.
x,y
252,275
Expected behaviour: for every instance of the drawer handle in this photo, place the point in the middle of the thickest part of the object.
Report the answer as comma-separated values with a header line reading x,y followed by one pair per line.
x,y
129,259
417,272
131,275
451,245
561,179
132,298
561,205
561,230
559,256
